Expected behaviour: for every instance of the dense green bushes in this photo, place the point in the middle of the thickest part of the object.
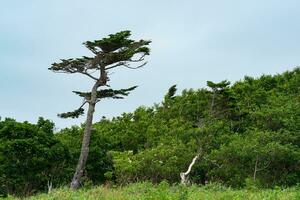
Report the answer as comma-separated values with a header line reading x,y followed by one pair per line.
x,y
30,157
162,162
250,130
267,157
247,133
99,162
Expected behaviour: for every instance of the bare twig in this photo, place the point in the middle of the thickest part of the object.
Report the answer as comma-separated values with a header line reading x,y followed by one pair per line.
x,y
138,60
256,169
116,65
89,75
136,67
84,102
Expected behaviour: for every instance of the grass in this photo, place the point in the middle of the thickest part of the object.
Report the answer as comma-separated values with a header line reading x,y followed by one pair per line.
x,y
148,191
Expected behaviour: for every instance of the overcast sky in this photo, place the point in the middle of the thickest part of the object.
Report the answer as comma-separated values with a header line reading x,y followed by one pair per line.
x,y
192,42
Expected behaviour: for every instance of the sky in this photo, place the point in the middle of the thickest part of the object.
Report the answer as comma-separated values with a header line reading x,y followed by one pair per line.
x,y
192,41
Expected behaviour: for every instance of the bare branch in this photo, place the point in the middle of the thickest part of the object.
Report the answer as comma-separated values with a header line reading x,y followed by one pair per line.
x,y
89,75
84,102
116,65
256,169
138,60
136,67
126,63
98,100
184,175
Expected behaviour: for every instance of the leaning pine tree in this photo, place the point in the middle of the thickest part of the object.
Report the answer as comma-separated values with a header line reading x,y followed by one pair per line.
x,y
117,50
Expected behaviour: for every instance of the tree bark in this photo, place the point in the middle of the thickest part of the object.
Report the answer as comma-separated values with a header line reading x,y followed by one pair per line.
x,y
184,175
75,184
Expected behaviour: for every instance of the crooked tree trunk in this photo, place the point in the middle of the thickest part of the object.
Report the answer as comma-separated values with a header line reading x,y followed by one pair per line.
x,y
75,184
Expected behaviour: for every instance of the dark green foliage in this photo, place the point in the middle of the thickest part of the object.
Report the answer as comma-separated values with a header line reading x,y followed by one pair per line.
x,y
30,156
277,161
99,162
254,123
218,86
171,92
107,93
117,50
112,43
120,42
113,49
74,114
249,137
72,65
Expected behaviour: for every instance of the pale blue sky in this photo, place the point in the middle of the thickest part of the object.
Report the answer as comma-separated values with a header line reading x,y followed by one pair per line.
x,y
193,41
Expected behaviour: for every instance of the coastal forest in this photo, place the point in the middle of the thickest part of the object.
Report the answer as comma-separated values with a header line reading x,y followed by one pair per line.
x,y
243,133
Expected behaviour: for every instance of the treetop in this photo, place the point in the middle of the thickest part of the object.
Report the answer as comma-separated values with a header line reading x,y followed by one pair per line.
x,y
110,52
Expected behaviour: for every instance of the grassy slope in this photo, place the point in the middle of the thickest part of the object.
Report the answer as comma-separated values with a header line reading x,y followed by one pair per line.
x,y
146,191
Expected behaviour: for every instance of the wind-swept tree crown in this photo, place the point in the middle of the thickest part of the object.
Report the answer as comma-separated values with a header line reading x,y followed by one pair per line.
x,y
110,52
116,50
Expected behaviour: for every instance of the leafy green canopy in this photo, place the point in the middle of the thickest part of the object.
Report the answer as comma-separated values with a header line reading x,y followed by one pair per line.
x,y
30,156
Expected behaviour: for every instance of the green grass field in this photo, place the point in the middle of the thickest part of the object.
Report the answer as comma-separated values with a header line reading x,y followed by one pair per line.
x,y
147,191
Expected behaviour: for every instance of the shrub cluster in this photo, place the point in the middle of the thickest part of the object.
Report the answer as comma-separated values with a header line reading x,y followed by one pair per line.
x,y
247,132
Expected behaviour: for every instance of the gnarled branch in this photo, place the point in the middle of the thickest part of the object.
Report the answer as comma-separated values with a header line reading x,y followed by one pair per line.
x,y
184,175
